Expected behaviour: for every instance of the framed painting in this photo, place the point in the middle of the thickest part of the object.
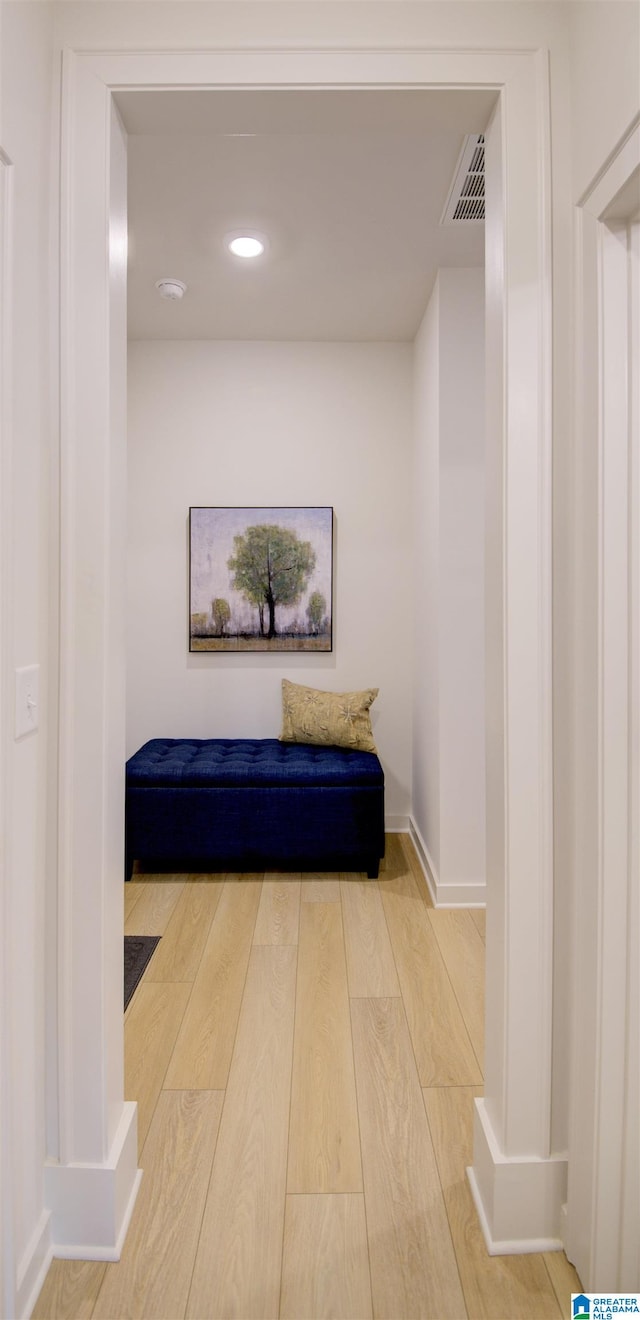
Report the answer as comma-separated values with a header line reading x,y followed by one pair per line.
x,y
260,579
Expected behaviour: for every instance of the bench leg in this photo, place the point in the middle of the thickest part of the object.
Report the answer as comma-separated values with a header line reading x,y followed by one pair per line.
x,y
373,870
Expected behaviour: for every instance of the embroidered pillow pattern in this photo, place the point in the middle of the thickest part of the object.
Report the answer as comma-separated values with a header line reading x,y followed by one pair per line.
x,y
335,719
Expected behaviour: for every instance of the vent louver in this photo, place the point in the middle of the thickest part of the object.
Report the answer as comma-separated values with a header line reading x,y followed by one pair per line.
x,y
465,203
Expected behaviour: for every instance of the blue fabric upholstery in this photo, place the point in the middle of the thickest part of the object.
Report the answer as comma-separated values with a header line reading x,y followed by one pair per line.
x,y
254,804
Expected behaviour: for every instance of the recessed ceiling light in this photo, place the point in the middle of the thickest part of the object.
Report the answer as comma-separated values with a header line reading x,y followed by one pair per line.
x,y
246,245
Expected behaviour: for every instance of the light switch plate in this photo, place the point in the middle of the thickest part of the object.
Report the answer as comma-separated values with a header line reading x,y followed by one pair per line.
x,y
27,684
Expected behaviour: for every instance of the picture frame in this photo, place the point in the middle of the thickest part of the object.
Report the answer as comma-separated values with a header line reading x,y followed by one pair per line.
x,y
260,579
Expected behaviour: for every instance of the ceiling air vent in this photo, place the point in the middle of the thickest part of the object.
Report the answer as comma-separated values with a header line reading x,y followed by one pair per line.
x,y
465,203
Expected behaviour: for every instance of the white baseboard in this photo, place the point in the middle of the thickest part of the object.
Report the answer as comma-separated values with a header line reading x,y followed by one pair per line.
x,y
91,1204
446,894
396,824
424,859
519,1201
33,1266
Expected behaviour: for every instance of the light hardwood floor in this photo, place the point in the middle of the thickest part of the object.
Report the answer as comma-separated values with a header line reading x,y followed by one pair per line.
x,y
305,1052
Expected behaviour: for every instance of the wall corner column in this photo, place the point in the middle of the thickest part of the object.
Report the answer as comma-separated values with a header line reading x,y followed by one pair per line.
x,y
91,1179
518,1182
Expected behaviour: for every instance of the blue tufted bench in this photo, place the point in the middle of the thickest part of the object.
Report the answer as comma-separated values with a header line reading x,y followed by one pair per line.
x,y
239,804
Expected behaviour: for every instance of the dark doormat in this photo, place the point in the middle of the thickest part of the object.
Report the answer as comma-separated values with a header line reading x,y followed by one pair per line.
x,y
137,952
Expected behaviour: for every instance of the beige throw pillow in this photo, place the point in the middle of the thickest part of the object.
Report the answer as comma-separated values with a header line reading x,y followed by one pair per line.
x,y
336,719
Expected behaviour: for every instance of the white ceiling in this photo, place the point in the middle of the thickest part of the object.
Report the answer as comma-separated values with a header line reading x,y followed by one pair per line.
x,y
349,187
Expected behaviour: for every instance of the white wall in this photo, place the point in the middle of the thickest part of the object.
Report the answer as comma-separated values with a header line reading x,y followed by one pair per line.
x,y
423,24
270,424
28,448
605,82
462,522
448,796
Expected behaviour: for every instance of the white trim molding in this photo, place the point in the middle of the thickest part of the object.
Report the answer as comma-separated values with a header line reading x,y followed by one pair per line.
x,y
93,522
425,860
91,1178
452,894
396,824
512,1148
524,1194
603,1214
7,1266
33,1267
94,1202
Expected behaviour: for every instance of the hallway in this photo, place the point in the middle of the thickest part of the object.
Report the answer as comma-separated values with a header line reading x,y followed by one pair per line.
x,y
305,1122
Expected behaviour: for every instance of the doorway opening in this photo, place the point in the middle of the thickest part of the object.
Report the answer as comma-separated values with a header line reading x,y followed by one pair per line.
x,y
88,1085
283,383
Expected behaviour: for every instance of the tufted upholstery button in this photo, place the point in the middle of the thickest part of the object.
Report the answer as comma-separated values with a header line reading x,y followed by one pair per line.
x,y
249,763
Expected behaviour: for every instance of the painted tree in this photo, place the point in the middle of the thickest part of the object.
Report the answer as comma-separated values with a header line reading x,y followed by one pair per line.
x,y
315,611
220,613
271,567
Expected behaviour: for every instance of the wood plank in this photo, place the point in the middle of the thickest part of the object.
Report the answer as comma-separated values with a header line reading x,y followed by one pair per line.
x,y
238,1264
279,911
210,877
413,864
150,1030
325,1265
564,1278
132,893
243,877
443,1050
514,1286
371,968
394,858
178,955
463,953
153,1276
413,1266
154,908
69,1291
319,889
479,918
202,1053
324,1148
450,1112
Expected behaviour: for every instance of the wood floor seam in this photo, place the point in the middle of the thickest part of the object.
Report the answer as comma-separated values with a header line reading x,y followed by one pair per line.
x,y
455,997
293,1037
433,919
186,1307
366,1215
446,1206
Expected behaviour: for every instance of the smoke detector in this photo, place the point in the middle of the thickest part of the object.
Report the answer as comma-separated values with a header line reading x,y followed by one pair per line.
x,y
465,203
173,290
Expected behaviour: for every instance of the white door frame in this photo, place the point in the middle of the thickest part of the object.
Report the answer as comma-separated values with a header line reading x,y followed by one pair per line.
x,y
7,1263
94,1165
603,1216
